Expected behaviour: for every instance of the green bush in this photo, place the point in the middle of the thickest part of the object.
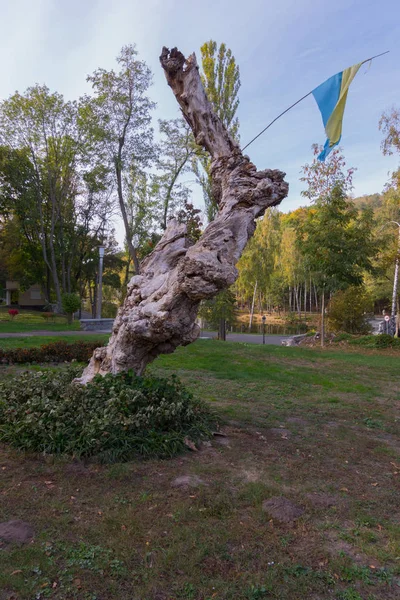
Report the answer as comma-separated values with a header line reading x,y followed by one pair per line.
x,y
54,352
114,418
343,337
70,304
347,311
382,340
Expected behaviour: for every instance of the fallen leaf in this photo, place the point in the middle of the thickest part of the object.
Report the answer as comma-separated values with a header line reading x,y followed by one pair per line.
x,y
374,484
17,572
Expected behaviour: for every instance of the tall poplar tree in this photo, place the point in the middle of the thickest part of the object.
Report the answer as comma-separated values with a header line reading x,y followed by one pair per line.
x,y
221,80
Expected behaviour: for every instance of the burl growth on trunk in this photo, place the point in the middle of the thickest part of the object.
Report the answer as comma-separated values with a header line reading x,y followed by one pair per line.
x,y
160,309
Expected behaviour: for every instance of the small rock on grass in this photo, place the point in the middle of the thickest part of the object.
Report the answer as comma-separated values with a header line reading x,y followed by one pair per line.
x,y
16,532
281,509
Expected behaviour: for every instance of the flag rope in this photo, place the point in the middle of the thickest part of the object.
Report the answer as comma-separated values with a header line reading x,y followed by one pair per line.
x,y
293,105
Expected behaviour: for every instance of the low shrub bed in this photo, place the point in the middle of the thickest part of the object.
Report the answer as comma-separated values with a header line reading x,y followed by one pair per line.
x,y
382,340
54,352
114,418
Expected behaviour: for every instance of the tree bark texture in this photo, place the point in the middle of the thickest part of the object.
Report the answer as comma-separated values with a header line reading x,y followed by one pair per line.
x,y
160,309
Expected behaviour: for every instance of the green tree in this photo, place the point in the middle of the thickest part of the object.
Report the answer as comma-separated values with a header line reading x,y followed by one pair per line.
x,y
70,304
337,244
258,261
39,131
117,124
219,312
347,310
322,176
221,80
176,150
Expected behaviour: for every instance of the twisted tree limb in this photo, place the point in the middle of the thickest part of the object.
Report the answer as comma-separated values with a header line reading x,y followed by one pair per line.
x,y
160,308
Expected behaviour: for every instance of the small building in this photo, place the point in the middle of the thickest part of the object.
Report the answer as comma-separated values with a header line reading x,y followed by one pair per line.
x,y
31,298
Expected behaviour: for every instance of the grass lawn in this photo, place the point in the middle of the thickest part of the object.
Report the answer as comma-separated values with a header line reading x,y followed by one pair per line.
x,y
32,341
32,320
319,428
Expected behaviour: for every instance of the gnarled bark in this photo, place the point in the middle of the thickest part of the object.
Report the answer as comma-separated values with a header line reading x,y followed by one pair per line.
x,y
161,305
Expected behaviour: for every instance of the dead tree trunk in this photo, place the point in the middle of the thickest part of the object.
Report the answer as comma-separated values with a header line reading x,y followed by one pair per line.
x,y
160,309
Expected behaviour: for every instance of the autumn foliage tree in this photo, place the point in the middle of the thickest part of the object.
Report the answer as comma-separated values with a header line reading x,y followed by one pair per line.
x,y
337,244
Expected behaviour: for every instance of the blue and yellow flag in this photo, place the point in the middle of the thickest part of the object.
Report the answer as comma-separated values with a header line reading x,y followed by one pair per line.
x,y
331,98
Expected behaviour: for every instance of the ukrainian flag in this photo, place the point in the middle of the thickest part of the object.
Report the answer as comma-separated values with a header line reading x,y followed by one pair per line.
x,y
331,98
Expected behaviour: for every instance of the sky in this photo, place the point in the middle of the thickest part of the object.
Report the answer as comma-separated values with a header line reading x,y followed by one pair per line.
x,y
284,49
